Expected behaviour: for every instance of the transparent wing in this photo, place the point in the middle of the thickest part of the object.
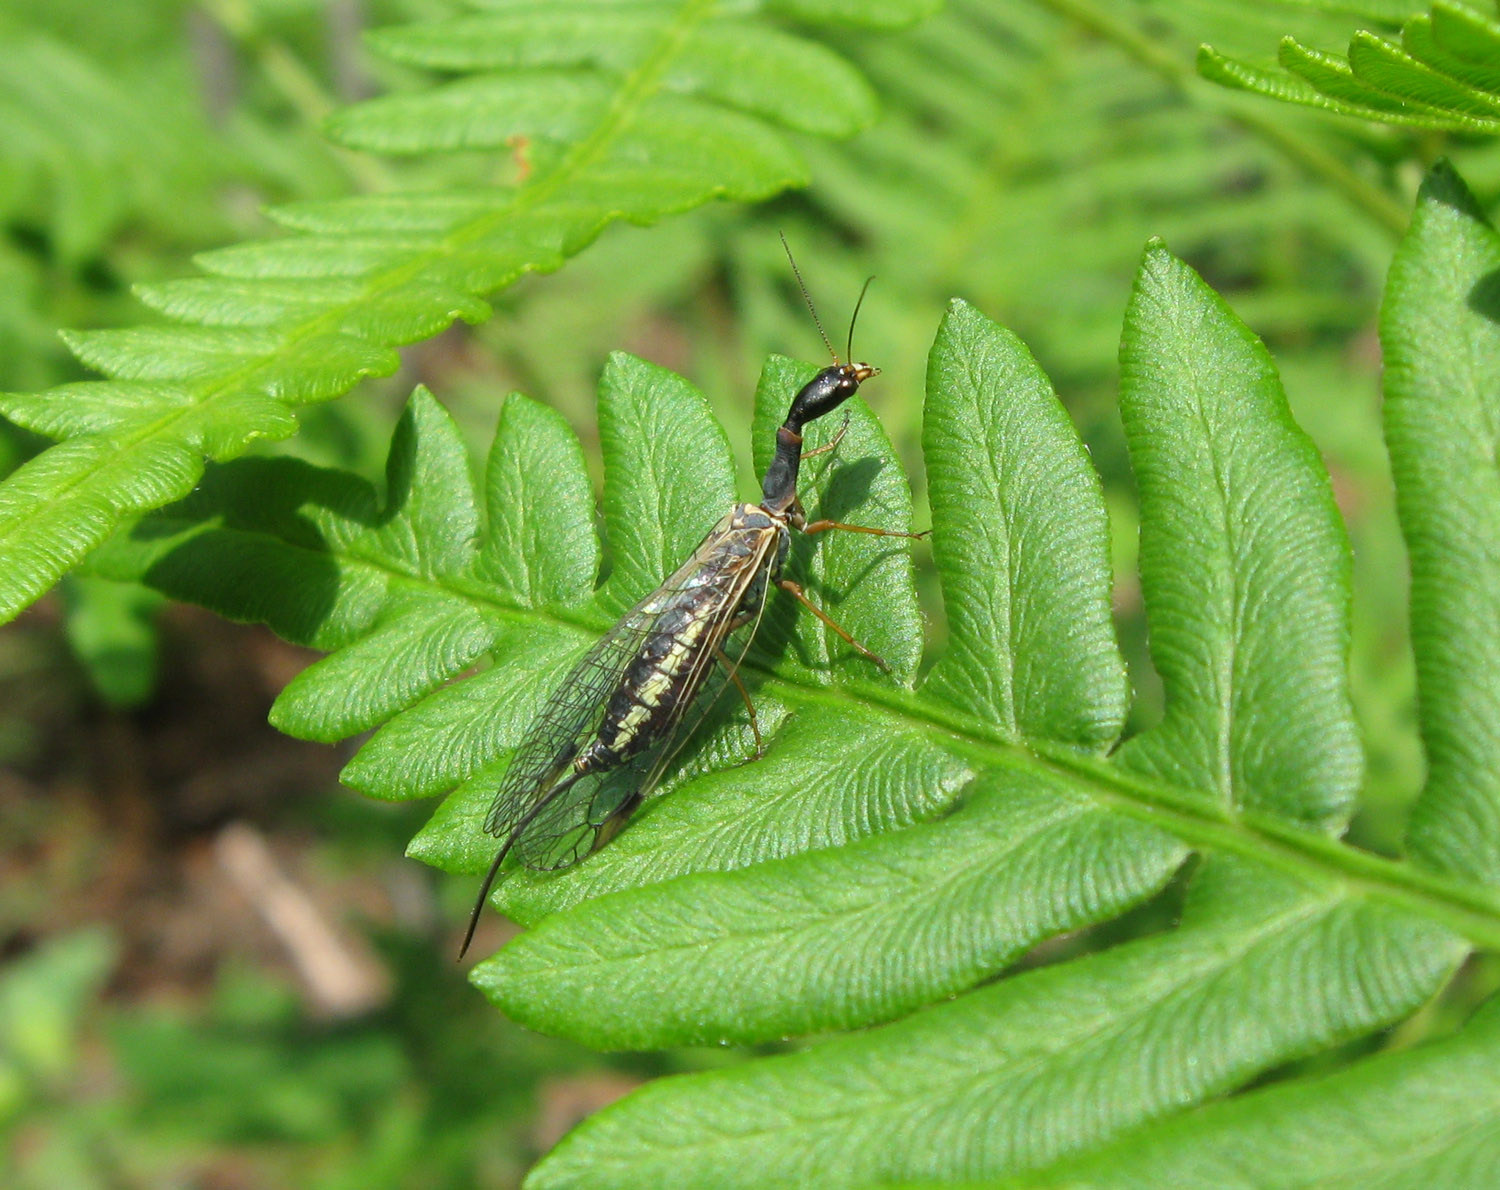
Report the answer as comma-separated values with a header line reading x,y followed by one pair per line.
x,y
568,825
557,822
572,713
683,726
567,721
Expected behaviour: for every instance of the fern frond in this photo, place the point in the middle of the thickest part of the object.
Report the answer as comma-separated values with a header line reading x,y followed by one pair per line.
x,y
630,112
970,184
1254,664
1443,74
1433,1111
902,842
1043,1065
1442,419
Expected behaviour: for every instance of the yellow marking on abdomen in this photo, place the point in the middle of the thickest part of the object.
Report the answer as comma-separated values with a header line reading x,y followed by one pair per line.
x,y
647,696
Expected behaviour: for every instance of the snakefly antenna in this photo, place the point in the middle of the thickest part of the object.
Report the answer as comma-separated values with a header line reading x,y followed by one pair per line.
x,y
813,310
853,318
807,297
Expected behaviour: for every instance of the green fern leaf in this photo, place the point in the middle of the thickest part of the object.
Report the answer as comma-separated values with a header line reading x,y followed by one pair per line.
x,y
529,507
740,63
668,473
1442,422
1040,1066
1433,1108
1253,652
837,938
1444,74
1260,969
626,112
1020,532
901,843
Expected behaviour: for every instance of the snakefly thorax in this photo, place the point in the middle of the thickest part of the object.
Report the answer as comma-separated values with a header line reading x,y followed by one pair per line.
x,y
824,393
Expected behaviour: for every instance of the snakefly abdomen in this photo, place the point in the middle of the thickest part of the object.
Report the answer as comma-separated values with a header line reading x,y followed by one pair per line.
x,y
721,587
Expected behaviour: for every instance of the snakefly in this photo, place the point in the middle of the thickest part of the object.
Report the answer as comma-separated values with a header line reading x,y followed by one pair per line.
x,y
603,739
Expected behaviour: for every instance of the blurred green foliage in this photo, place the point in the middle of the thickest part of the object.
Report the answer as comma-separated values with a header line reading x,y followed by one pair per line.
x,y
435,1091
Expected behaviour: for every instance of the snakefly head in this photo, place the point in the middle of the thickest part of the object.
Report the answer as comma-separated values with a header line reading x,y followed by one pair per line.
x,y
602,740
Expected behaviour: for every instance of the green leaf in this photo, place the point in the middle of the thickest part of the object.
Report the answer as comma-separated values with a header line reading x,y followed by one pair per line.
x,y
668,474
537,492
1457,41
1246,76
562,34
1385,66
761,70
416,312
1022,543
1424,1117
1244,562
890,849
1038,1067
1445,73
1442,423
1465,32
260,540
406,657
463,729
87,487
882,14
478,113
596,114
1335,78
836,938
109,408
430,523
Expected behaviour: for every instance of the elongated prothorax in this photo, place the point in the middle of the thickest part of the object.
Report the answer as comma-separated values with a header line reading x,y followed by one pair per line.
x,y
824,393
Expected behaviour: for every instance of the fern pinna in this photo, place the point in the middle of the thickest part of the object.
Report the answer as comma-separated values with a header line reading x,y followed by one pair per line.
x,y
1442,74
612,112
902,842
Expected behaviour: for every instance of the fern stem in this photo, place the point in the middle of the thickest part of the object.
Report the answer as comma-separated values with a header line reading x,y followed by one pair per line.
x,y
634,91
1195,817
1381,207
